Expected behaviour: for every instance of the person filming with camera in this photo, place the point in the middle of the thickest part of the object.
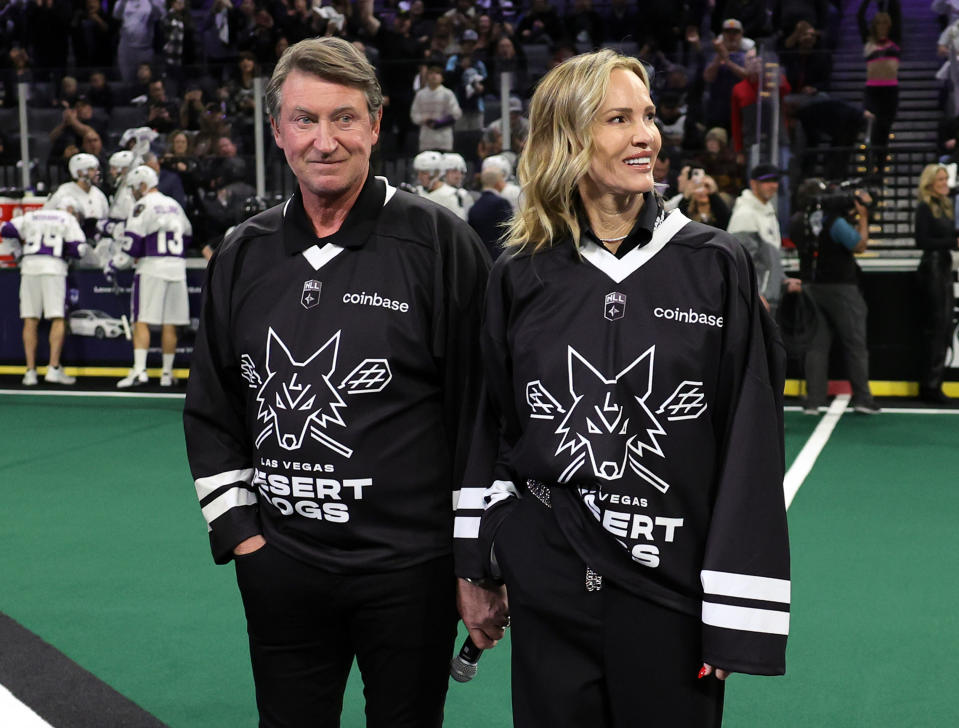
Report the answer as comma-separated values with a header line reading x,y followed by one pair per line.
x,y
831,226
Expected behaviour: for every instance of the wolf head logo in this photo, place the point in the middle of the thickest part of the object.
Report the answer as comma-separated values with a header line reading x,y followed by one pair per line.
x,y
297,398
608,423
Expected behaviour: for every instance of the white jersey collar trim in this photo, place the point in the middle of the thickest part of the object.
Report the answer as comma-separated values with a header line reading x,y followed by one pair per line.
x,y
619,269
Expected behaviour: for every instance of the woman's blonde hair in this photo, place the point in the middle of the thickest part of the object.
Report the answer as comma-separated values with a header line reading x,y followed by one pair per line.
x,y
939,205
559,148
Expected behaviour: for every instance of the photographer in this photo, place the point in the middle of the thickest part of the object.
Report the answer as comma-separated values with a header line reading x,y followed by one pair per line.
x,y
829,228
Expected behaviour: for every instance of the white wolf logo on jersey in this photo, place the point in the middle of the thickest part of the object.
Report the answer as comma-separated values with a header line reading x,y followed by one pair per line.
x,y
607,420
297,398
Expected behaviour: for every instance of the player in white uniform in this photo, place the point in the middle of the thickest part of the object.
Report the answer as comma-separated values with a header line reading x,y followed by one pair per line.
x,y
455,167
430,168
85,171
156,235
121,206
47,237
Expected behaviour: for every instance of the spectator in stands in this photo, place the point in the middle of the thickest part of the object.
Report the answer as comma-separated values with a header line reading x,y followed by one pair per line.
x,y
671,119
752,14
936,237
169,182
881,38
745,96
830,276
491,212
435,110
946,8
807,64
726,68
788,13
948,47
99,92
193,107
162,113
137,19
179,158
719,161
621,20
444,42
261,37
297,21
701,202
68,92
400,55
665,176
94,35
93,144
461,16
18,72
540,24
486,37
508,58
584,25
178,39
467,77
518,126
76,122
48,33
833,122
139,88
421,25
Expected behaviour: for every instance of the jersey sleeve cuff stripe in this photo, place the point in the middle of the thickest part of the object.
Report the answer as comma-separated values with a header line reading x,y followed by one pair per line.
x,y
746,586
470,499
746,619
466,527
205,486
230,499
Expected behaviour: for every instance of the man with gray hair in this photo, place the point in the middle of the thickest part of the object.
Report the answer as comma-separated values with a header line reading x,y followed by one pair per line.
x,y
332,391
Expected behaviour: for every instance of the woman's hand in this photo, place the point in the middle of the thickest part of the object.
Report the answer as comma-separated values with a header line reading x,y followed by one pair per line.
x,y
708,669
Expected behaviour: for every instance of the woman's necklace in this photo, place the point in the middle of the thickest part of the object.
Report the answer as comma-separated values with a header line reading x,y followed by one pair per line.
x,y
614,240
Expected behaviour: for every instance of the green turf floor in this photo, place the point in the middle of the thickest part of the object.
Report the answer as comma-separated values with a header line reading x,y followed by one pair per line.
x,y
104,554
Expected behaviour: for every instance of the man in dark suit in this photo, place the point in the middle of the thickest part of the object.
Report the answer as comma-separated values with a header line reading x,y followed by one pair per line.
x,y
491,211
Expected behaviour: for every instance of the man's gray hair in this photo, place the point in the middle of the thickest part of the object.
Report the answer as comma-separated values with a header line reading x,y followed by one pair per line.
x,y
331,59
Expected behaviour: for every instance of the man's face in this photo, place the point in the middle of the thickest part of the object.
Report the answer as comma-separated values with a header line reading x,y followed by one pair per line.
x,y
764,190
326,133
732,39
84,111
225,147
157,93
661,169
92,144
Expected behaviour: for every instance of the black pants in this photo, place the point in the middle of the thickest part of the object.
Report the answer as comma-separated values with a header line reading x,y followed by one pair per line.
x,y
935,284
306,625
883,101
603,659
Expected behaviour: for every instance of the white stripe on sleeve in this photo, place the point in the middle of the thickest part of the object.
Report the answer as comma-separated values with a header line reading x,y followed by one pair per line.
x,y
466,527
232,498
205,486
745,618
470,499
746,586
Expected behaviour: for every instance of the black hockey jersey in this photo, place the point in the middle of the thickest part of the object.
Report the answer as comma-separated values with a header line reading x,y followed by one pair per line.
x,y
646,391
333,385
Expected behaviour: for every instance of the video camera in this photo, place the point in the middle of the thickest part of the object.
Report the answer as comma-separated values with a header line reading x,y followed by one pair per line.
x,y
819,199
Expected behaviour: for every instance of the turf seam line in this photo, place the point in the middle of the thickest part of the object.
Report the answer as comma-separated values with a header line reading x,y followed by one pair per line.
x,y
807,457
68,393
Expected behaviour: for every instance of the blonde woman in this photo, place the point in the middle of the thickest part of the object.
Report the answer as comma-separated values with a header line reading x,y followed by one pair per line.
x,y
633,473
936,237
881,50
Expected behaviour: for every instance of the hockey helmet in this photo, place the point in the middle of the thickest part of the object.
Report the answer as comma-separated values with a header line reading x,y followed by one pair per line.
x,y
80,164
140,176
120,162
453,161
429,162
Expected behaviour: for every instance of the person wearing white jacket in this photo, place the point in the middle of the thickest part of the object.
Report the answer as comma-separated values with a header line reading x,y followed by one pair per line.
x,y
435,110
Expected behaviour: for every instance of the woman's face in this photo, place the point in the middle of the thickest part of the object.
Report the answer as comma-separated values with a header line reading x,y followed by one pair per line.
x,y
180,145
626,140
882,29
940,184
713,146
505,49
483,24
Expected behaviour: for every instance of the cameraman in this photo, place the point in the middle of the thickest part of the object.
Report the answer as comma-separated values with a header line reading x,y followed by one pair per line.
x,y
828,230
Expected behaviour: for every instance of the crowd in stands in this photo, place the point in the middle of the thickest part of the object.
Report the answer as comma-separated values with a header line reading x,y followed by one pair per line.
x,y
187,71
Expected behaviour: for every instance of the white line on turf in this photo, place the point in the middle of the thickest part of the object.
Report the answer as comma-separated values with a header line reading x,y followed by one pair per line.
x,y
15,713
817,441
74,393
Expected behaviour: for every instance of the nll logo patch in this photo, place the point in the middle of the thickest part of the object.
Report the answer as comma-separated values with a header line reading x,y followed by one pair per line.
x,y
615,306
311,294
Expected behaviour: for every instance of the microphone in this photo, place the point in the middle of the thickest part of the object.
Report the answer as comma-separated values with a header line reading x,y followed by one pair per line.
x,y
463,666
